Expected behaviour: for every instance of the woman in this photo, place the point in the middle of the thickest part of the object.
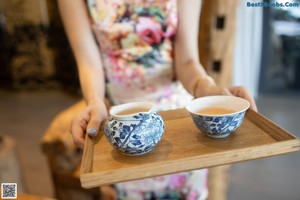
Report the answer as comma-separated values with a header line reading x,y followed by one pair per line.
x,y
133,59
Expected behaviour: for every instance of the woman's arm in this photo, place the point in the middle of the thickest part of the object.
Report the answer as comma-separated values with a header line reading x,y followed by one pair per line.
x,y
76,22
187,64
78,29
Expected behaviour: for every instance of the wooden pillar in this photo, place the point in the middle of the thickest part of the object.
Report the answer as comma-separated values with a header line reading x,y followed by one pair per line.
x,y
217,38
216,47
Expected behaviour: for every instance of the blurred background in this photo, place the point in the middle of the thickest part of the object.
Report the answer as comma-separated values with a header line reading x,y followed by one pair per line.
x,y
38,80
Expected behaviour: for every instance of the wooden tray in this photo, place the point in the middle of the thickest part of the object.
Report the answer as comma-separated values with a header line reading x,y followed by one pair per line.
x,y
184,148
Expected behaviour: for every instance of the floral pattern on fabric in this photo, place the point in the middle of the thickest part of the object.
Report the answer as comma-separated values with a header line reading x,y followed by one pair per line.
x,y
136,43
181,186
136,39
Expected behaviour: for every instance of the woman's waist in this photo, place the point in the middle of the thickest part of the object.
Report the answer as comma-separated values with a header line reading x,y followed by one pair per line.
x,y
164,95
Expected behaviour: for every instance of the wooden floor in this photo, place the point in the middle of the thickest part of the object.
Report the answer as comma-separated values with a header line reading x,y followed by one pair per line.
x,y
25,116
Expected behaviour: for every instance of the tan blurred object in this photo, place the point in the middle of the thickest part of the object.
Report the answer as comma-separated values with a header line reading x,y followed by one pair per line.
x,y
10,169
32,60
216,47
217,38
218,182
19,12
23,196
64,157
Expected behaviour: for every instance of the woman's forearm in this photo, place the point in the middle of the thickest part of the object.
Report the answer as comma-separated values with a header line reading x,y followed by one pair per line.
x,y
187,63
84,47
92,83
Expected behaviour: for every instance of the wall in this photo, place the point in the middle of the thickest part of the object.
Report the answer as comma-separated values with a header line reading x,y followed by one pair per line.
x,y
248,47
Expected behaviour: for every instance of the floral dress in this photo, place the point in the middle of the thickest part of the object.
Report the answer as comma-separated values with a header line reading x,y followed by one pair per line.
x,y
136,44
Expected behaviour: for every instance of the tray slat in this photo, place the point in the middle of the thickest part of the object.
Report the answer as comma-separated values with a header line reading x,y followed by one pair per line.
x,y
184,148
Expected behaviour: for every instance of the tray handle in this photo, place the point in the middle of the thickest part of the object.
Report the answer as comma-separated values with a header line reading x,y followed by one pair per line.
x,y
88,153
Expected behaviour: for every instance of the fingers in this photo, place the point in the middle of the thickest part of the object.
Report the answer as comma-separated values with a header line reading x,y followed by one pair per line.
x,y
78,127
244,93
252,103
94,124
225,91
235,91
97,115
218,90
212,90
88,122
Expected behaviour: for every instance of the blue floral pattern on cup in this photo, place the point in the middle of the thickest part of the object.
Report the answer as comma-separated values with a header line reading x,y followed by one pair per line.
x,y
218,126
136,135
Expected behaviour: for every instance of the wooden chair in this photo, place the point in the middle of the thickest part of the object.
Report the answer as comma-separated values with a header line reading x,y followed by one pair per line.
x,y
64,157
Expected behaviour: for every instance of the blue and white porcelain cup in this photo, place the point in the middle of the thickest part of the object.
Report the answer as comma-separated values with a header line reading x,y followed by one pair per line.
x,y
134,128
225,116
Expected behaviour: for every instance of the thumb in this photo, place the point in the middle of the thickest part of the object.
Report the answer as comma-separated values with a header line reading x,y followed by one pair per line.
x,y
94,124
226,92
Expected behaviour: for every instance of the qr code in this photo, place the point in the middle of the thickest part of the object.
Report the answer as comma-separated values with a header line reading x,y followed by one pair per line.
x,y
8,190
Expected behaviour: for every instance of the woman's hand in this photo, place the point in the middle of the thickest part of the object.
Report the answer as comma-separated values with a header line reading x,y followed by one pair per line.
x,y
242,92
88,121
205,86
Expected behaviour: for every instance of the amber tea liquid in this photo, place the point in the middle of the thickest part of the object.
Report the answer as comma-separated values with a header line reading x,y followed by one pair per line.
x,y
215,111
131,111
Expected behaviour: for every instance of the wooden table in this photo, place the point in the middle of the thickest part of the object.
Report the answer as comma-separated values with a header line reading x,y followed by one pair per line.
x,y
184,148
